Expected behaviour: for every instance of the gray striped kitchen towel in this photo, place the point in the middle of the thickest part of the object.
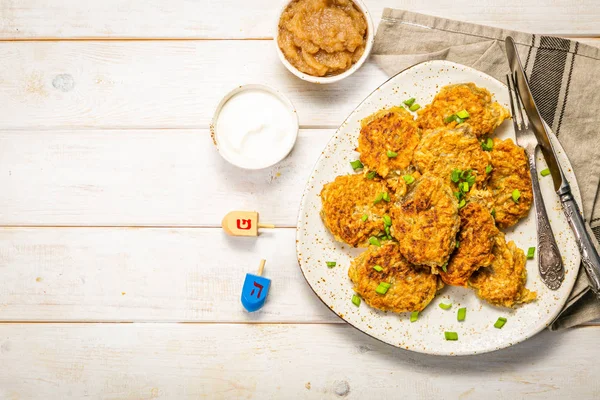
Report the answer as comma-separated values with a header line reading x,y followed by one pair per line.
x,y
565,80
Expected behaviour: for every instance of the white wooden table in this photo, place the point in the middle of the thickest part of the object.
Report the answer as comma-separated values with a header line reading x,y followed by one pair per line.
x,y
115,279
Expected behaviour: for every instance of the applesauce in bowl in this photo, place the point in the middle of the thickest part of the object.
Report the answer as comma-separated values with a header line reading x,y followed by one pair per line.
x,y
325,40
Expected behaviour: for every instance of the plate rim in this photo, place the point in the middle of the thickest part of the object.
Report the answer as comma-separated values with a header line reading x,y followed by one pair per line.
x,y
574,187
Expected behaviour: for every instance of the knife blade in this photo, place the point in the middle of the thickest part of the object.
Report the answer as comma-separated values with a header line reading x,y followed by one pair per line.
x,y
589,255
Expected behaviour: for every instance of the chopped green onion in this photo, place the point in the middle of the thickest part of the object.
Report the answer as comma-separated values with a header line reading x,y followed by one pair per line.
x,y
444,306
330,264
455,175
516,194
462,313
364,217
408,179
371,175
459,195
409,102
377,268
462,203
457,244
465,174
464,114
459,120
451,335
386,285
414,316
382,289
445,267
355,300
374,241
387,221
391,154
493,212
464,187
356,164
378,198
530,252
545,172
386,197
488,169
414,107
387,231
500,323
450,118
488,145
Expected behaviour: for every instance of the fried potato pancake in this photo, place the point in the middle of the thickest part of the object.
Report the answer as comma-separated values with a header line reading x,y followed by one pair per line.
x,y
346,200
503,282
387,140
425,222
411,287
484,114
442,150
510,173
475,243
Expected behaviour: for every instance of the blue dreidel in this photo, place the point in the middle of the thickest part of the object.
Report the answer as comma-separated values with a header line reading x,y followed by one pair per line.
x,y
255,289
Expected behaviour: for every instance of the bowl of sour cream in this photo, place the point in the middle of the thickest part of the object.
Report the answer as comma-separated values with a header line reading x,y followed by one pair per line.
x,y
254,127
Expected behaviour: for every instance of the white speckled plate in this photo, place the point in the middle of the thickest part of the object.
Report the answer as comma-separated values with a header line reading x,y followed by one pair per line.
x,y
315,244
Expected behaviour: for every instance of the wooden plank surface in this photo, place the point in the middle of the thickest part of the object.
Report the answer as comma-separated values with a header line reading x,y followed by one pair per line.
x,y
156,84
108,274
158,361
143,178
74,19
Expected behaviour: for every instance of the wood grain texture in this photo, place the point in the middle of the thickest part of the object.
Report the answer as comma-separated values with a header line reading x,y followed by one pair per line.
x,y
124,275
158,361
210,19
170,84
143,178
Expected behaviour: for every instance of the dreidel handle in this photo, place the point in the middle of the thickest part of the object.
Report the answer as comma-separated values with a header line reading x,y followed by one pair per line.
x,y
261,267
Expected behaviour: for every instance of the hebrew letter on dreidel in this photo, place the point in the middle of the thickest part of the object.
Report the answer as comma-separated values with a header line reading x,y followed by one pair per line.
x,y
244,224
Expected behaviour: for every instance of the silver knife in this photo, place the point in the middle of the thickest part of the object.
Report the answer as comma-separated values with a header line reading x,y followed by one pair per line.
x,y
589,256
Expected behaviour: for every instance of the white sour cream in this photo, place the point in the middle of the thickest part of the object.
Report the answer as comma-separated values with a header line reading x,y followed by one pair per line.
x,y
256,127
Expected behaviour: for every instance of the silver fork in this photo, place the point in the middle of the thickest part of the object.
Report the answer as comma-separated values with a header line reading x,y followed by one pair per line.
x,y
549,260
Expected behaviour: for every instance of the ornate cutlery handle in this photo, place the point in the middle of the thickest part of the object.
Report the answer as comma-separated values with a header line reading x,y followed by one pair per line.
x,y
589,255
550,263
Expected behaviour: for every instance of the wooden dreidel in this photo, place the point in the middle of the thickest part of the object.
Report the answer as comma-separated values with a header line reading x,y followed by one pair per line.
x,y
255,289
243,223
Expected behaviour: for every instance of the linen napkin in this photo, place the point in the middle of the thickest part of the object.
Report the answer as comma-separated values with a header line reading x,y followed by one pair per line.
x,y
565,80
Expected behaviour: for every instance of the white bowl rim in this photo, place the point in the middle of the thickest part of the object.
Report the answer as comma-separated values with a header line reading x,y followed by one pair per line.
x,y
334,78
255,86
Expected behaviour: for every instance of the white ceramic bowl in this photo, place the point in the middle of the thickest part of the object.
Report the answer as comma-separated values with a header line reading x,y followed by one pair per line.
x,y
284,151
334,78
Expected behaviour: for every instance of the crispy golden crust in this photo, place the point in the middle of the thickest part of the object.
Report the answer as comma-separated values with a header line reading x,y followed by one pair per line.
x,y
511,171
484,115
443,150
476,240
503,282
393,130
346,200
425,222
412,287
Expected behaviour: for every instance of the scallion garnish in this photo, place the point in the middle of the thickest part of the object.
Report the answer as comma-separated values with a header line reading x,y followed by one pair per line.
x,y
387,221
488,169
385,284
355,300
378,198
455,175
356,164
391,154
462,313
451,335
464,187
493,212
371,174
408,179
386,197
364,218
374,241
444,306
457,244
414,107
530,252
450,118
409,102
445,267
464,114
330,264
414,316
545,172
500,323
487,145
378,268
516,195
382,289
462,203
